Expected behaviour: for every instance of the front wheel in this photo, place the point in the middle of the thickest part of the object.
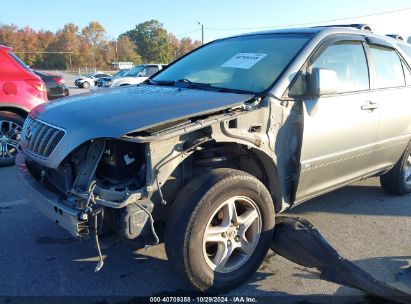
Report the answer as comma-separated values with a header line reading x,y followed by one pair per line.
x,y
219,229
86,84
10,130
398,179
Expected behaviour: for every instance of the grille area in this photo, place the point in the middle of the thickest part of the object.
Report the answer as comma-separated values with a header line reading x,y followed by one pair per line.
x,y
39,138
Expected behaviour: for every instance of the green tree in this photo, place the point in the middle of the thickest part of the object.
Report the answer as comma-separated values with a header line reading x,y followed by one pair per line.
x,y
46,40
29,39
151,40
67,41
9,36
187,45
175,44
93,35
126,50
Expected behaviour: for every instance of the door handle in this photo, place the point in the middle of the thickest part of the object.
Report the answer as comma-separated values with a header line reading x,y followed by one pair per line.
x,y
369,106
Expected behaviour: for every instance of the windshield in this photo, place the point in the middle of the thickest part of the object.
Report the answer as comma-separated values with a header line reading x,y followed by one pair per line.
x,y
120,73
249,63
133,72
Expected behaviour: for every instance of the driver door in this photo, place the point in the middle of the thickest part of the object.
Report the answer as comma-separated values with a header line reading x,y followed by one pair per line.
x,y
340,130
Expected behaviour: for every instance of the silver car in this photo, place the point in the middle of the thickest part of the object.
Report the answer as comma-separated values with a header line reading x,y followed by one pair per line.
x,y
215,145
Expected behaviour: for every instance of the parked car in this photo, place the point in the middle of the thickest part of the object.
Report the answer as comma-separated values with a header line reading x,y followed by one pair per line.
x,y
137,74
107,81
56,88
20,91
226,137
89,79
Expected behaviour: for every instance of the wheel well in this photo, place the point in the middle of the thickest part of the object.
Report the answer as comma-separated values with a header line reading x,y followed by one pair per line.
x,y
17,111
258,164
228,155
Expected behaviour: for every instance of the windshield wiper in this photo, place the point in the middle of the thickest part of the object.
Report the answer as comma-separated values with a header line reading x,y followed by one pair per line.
x,y
198,85
186,82
160,82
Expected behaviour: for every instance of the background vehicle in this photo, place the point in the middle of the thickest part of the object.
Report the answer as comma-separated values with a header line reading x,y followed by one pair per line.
x,y
89,80
20,91
55,85
138,74
107,81
121,65
223,139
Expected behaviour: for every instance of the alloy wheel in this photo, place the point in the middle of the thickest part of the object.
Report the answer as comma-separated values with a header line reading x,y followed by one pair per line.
x,y
407,170
232,234
9,139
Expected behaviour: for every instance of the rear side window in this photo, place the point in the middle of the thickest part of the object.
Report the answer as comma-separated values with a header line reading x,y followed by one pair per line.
x,y
150,70
348,60
388,67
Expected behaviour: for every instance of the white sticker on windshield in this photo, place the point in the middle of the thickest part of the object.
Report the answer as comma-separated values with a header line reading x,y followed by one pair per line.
x,y
243,60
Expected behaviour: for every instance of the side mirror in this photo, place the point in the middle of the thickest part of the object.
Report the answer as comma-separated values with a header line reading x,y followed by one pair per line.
x,y
323,82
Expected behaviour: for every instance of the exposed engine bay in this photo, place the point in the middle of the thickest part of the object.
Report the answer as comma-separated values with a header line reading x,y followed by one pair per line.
x,y
109,171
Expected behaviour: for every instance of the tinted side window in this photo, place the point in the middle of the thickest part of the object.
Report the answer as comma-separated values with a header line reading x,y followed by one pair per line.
x,y
348,60
151,70
388,67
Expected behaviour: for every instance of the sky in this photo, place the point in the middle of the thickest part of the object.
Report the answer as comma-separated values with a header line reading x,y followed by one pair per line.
x,y
220,18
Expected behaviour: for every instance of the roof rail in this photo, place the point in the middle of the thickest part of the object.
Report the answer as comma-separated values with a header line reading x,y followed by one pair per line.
x,y
395,36
360,26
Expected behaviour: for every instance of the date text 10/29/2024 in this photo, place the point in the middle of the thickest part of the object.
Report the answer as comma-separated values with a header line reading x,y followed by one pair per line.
x,y
203,299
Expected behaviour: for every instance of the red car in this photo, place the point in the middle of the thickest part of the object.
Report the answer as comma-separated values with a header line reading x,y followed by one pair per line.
x,y
20,91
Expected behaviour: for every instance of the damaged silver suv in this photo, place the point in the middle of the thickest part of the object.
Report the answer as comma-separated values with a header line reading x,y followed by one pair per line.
x,y
209,149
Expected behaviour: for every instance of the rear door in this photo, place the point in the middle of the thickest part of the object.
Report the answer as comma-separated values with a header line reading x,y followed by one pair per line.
x,y
340,130
391,91
12,77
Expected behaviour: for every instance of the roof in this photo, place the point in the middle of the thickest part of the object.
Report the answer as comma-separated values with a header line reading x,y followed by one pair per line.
x,y
5,48
324,30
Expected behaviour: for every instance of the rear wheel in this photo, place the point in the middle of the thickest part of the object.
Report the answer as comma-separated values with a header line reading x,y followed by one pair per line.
x,y
398,179
10,129
219,229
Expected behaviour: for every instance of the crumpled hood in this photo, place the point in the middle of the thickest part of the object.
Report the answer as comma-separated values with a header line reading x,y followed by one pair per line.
x,y
115,112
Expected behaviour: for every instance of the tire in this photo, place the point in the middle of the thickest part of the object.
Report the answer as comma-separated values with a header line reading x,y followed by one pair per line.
x,y
85,85
203,206
398,180
10,130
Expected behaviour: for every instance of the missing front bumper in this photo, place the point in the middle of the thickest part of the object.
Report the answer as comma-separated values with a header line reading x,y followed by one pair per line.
x,y
48,202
